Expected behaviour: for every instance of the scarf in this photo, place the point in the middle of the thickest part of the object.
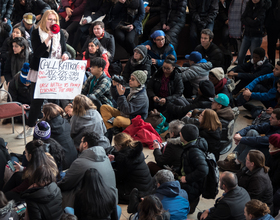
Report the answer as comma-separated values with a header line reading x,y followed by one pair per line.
x,y
92,84
135,62
273,152
101,36
56,47
220,85
133,91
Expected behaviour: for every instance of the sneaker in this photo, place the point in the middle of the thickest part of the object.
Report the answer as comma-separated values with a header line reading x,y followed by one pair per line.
x,y
28,133
229,165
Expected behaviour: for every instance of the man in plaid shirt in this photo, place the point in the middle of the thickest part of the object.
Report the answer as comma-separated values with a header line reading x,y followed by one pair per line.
x,y
97,86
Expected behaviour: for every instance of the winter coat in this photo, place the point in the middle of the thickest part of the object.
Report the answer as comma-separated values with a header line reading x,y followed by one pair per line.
x,y
274,172
43,202
60,131
213,139
265,217
154,8
253,17
91,121
171,153
203,11
4,157
107,41
248,71
142,131
270,21
194,167
79,7
120,14
257,184
38,8
6,8
132,171
94,157
7,211
261,141
180,111
212,54
174,199
40,49
264,96
196,73
138,105
175,85
222,15
131,66
230,206
159,54
19,92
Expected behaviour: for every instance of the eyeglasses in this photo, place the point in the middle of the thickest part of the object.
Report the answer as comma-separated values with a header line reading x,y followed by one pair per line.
x,y
166,68
159,40
52,20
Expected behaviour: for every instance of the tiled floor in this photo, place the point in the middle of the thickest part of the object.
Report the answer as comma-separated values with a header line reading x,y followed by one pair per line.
x,y
17,146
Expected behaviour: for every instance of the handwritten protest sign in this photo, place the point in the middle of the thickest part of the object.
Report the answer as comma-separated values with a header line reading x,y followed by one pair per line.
x,y
59,80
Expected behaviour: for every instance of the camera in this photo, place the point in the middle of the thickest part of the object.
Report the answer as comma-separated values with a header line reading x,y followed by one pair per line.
x,y
118,79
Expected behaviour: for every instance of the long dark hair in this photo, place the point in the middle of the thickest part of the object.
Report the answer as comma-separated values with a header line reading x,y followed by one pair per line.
x,y
150,208
38,158
98,200
22,42
99,51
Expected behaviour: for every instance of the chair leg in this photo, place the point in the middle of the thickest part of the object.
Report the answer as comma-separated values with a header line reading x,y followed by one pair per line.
x,y
23,122
13,124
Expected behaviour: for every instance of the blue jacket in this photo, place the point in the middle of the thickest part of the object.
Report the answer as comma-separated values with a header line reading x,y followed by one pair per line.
x,y
265,96
262,141
266,217
174,199
155,52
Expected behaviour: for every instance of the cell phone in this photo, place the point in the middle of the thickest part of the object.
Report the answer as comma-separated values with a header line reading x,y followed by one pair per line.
x,y
156,141
27,107
11,165
111,120
6,143
158,99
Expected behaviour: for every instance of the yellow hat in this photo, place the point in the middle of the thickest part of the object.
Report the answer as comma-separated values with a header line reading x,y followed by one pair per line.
x,y
29,18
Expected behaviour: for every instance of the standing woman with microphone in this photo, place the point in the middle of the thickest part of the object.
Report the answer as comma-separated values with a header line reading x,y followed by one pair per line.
x,y
48,42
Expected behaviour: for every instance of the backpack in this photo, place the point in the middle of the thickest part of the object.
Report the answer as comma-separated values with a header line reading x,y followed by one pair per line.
x,y
211,181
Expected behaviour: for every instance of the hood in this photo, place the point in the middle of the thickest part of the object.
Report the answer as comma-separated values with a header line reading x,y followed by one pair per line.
x,y
226,113
132,155
42,195
169,189
175,141
95,154
57,125
200,143
104,142
90,113
7,208
266,217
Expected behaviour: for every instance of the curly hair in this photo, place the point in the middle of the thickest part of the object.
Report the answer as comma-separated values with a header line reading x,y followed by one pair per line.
x,y
257,208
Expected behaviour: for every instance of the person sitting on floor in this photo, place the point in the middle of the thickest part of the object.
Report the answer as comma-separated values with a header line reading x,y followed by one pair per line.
x,y
136,103
257,210
247,72
198,71
97,86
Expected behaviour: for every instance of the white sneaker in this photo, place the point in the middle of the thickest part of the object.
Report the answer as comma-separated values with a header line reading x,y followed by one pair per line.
x,y
28,133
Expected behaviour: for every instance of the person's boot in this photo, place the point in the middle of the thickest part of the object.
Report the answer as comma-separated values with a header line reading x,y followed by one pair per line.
x,y
229,165
133,201
193,205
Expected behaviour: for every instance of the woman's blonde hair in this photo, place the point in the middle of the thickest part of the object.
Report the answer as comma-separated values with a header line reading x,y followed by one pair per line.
x,y
42,22
51,111
210,120
81,104
124,141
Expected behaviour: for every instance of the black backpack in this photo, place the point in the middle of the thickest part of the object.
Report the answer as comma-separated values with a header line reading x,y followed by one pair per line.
x,y
211,181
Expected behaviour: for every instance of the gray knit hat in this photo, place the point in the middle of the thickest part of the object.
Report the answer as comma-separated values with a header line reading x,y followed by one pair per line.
x,y
142,50
218,72
190,132
140,75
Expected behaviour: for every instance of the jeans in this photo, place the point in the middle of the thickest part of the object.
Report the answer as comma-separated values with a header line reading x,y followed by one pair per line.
x,y
10,24
248,43
243,149
258,88
194,30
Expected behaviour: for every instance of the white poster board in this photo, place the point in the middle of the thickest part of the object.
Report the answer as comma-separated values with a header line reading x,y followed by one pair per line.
x,y
59,80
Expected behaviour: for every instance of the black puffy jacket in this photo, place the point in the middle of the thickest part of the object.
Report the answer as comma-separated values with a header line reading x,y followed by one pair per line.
x,y
129,68
132,172
44,203
6,8
175,85
253,17
195,167
274,171
60,131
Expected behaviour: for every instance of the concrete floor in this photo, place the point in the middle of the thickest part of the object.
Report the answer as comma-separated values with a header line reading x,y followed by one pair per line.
x,y
17,146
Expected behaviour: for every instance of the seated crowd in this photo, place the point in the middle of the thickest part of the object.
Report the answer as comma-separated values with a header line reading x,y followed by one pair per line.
x,y
71,170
